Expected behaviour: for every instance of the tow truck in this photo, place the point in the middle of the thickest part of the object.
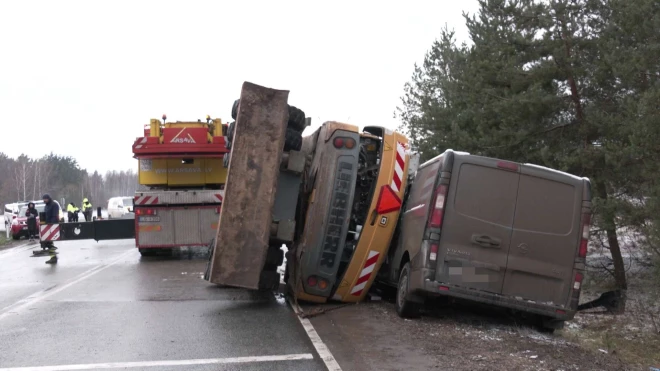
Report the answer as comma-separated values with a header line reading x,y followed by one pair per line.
x,y
333,198
181,167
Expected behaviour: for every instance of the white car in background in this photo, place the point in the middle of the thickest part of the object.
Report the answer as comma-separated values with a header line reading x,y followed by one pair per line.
x,y
120,207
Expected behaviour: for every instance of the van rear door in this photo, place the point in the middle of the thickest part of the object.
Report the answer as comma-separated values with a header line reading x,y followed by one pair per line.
x,y
546,236
478,218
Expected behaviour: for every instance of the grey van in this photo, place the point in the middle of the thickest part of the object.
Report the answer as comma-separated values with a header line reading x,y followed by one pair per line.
x,y
491,231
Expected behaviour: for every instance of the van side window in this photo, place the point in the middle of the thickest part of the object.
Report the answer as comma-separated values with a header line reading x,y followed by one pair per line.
x,y
487,194
7,210
546,206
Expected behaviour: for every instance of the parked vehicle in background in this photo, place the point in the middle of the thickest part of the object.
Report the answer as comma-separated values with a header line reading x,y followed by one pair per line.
x,y
119,207
19,227
491,231
11,211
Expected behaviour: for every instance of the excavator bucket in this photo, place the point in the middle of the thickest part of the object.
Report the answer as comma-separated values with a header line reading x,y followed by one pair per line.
x,y
241,247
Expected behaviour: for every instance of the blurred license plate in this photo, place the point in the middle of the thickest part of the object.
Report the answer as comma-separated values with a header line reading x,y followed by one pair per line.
x,y
25,228
149,219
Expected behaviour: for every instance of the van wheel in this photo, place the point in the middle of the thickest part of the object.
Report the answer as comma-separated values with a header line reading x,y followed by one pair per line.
x,y
549,325
405,308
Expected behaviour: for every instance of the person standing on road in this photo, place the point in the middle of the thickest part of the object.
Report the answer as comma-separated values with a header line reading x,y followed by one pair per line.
x,y
87,210
52,216
31,213
75,211
70,209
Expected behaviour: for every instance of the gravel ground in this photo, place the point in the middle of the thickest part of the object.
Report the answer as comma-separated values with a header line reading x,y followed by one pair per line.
x,y
454,338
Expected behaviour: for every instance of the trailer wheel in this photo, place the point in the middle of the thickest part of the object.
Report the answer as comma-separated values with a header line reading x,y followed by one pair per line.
x,y
405,308
225,160
207,273
234,109
296,119
269,281
292,140
230,133
286,274
275,256
156,252
147,252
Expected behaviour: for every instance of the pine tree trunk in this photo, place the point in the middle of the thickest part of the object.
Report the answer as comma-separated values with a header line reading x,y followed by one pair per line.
x,y
615,249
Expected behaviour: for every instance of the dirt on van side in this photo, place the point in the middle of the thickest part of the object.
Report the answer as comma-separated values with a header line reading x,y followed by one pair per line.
x,y
370,336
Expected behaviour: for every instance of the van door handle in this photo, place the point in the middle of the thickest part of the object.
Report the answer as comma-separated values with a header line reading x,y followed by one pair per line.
x,y
486,241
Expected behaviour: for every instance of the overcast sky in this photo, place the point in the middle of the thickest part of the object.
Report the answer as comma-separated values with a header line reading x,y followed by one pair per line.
x,y
82,78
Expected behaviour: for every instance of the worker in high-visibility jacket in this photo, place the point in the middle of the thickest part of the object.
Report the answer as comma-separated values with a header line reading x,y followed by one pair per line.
x,y
87,210
71,210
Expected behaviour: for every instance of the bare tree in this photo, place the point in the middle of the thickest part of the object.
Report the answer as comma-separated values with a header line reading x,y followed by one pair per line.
x,y
21,175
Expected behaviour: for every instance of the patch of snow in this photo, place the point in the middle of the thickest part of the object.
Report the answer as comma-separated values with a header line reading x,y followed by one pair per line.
x,y
573,325
490,338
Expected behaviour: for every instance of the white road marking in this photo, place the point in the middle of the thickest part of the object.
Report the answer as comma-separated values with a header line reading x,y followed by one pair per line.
x,y
43,294
15,249
323,351
183,362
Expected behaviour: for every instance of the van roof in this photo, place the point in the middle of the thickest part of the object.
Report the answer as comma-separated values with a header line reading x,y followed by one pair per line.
x,y
461,153
555,171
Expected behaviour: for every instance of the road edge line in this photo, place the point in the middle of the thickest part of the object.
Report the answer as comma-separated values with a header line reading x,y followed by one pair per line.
x,y
174,363
32,299
322,349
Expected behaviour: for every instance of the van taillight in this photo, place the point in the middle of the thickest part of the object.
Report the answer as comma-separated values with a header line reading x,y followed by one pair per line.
x,y
438,207
584,240
433,255
577,284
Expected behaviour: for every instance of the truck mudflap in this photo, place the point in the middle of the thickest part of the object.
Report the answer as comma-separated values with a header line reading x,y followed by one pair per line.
x,y
241,247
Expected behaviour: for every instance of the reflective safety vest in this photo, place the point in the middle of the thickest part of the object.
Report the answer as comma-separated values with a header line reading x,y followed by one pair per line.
x,y
87,206
71,209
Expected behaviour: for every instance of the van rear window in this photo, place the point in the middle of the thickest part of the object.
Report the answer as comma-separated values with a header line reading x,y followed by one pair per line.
x,y
486,193
545,206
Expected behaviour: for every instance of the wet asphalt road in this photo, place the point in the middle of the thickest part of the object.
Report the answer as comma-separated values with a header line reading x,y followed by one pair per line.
x,y
104,303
